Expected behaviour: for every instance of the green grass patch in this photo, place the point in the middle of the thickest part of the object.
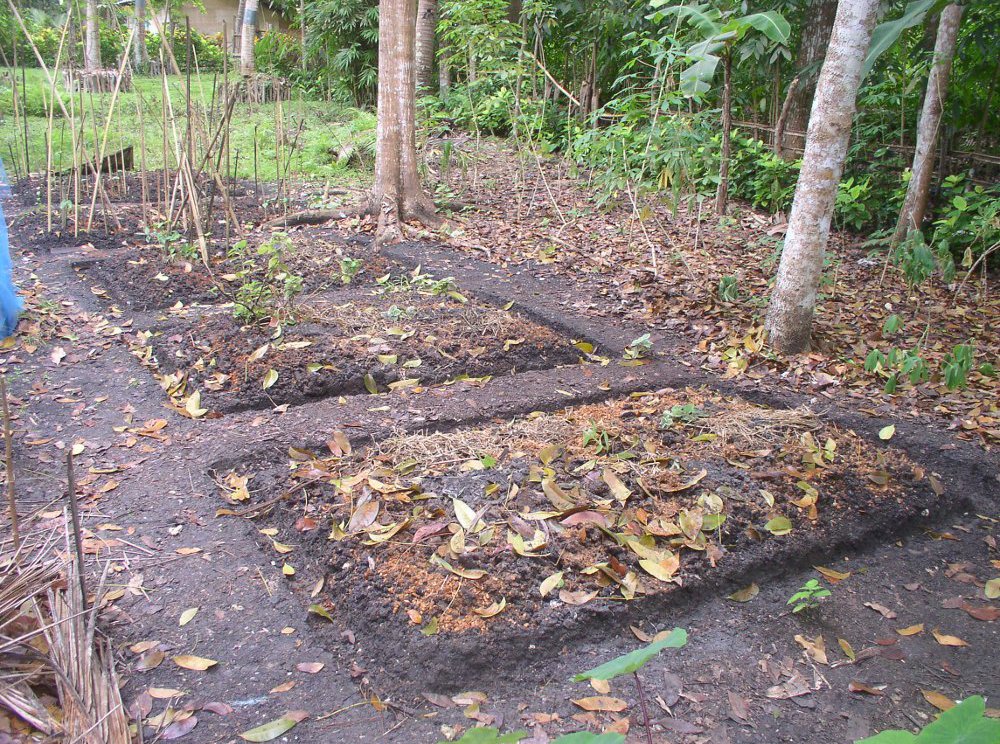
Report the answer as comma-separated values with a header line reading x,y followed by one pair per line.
x,y
330,142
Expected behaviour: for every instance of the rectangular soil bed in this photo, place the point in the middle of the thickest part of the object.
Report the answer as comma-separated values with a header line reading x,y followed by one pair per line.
x,y
349,342
158,276
447,548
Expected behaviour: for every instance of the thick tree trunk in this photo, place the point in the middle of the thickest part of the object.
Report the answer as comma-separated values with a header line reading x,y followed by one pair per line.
x,y
92,40
140,55
397,195
248,35
427,11
911,216
790,313
816,27
238,27
722,193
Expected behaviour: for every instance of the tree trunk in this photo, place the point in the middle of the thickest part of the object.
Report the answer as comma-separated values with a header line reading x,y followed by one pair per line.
x,y
302,33
238,27
816,27
514,9
427,11
140,56
444,75
722,193
397,195
249,34
92,41
911,216
790,313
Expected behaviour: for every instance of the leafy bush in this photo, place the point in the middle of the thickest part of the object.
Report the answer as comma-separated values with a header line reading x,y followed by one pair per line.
x,y
206,51
969,221
966,722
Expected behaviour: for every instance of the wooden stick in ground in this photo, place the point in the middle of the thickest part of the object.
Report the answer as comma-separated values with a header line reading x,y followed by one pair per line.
x,y
74,510
8,446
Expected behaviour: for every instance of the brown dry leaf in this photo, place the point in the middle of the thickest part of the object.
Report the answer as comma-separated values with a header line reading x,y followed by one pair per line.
x,y
283,687
601,686
149,660
576,598
143,646
856,686
164,693
311,667
834,577
987,613
939,701
882,610
739,708
815,647
947,640
601,703
911,630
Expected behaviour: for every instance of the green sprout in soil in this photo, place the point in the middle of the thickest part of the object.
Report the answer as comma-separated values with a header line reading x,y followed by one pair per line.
x,y
808,596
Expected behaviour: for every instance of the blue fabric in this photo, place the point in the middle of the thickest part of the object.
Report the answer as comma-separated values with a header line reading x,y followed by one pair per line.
x,y
10,303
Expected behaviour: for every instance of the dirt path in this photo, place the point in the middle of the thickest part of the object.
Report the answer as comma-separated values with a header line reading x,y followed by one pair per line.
x,y
153,513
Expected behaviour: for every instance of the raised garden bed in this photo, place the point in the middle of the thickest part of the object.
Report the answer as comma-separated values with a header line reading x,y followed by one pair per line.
x,y
442,544
349,342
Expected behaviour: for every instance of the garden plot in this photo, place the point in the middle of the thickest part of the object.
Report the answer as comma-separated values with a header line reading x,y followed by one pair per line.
x,y
158,275
351,341
528,524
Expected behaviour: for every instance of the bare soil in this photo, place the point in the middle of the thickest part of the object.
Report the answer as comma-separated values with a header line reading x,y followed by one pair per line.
x,y
908,524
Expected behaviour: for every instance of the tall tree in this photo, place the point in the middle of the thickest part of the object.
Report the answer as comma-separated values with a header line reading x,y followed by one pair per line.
x,y
911,216
92,39
817,23
397,195
140,55
248,35
427,13
790,313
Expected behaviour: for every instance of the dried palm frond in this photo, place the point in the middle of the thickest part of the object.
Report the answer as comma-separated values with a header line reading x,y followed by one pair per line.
x,y
47,642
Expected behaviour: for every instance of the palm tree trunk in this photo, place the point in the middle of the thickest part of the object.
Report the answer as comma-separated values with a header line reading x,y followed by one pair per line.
x,y
140,58
722,193
790,312
427,11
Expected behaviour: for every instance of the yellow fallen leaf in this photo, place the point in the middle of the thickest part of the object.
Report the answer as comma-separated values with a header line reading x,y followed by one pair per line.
x,y
939,701
187,616
911,630
164,693
947,640
601,703
194,663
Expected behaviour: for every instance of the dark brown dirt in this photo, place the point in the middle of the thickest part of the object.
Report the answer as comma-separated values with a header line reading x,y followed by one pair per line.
x,y
147,477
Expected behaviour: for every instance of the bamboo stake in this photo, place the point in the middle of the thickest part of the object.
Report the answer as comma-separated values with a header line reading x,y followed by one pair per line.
x,y
74,508
8,445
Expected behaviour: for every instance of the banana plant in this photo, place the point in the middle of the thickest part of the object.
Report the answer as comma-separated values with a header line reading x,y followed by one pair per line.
x,y
719,31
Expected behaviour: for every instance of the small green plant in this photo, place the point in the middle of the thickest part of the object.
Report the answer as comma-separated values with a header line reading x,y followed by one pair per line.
x,y
639,348
683,414
891,326
965,723
272,294
956,366
171,242
599,438
896,365
729,290
349,268
808,596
